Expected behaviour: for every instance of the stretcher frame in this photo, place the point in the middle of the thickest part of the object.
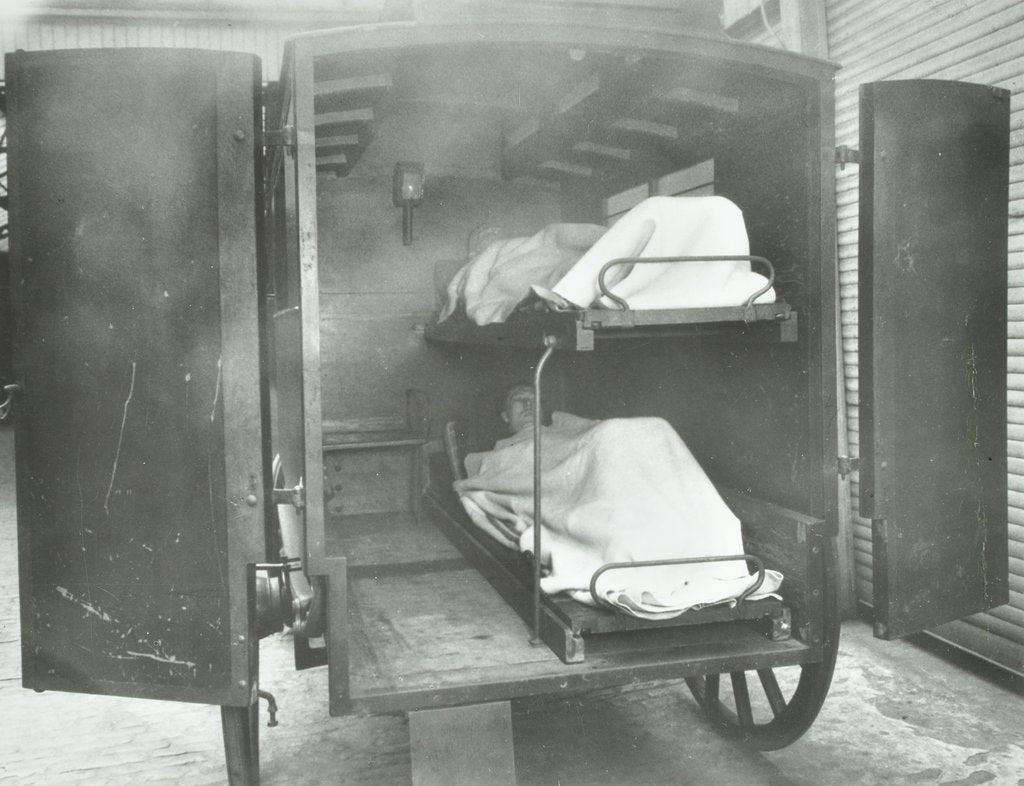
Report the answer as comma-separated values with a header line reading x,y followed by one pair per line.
x,y
561,622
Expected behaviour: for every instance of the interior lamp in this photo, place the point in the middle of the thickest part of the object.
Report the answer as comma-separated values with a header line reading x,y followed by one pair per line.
x,y
407,192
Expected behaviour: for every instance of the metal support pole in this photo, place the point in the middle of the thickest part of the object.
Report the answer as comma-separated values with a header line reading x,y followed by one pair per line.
x,y
407,222
550,342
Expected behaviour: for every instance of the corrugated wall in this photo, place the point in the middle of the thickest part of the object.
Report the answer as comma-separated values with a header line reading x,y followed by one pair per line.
x,y
262,39
255,26
943,39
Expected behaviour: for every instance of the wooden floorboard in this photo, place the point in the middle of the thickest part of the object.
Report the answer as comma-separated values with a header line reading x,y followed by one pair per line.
x,y
386,539
446,637
426,630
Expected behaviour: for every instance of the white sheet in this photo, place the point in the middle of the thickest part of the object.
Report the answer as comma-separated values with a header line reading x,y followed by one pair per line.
x,y
494,282
667,226
619,490
560,264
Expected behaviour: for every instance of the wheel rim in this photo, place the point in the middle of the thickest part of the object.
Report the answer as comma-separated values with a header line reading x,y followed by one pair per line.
x,y
770,708
764,713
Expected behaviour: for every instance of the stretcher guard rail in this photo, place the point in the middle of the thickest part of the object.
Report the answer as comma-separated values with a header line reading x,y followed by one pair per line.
x,y
624,306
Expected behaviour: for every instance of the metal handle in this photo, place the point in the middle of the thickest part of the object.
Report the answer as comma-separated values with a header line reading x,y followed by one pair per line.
x,y
682,561
624,306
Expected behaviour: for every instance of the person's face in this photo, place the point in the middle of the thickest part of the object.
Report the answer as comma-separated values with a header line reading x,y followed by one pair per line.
x,y
519,410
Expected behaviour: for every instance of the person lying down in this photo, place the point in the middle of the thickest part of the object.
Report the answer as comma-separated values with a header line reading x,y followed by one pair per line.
x,y
617,490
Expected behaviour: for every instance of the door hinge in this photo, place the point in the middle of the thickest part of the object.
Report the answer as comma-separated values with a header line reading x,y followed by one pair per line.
x,y
847,464
847,155
284,137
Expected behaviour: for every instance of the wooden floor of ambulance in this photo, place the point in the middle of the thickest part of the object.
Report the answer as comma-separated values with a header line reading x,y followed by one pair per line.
x,y
898,713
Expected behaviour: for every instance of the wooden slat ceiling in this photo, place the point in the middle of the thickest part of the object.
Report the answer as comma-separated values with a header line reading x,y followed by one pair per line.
x,y
565,114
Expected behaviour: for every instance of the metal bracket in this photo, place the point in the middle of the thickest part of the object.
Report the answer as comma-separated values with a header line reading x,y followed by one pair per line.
x,y
782,626
296,496
9,390
847,464
281,600
847,155
285,137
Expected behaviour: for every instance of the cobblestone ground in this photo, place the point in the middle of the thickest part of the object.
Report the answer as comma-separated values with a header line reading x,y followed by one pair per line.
x,y
897,714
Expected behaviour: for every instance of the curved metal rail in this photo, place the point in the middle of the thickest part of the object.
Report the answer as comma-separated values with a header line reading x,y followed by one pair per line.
x,y
624,306
681,561
8,401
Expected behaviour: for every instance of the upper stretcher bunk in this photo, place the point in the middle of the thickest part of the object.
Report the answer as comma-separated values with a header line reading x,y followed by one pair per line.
x,y
582,113
669,265
583,329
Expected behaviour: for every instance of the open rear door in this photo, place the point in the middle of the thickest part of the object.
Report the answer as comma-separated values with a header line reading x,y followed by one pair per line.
x,y
294,315
297,430
933,284
138,442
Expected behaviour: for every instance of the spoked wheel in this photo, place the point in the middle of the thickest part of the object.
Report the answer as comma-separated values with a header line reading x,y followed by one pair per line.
x,y
770,708
767,720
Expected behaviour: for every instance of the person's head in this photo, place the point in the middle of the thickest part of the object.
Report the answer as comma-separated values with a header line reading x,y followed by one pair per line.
x,y
517,408
481,238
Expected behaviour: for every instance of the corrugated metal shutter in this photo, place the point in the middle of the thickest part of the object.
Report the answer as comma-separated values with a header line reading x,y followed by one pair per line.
x,y
255,26
85,33
972,42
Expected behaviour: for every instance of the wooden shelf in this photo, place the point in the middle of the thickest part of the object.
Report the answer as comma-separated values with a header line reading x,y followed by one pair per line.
x,y
341,138
363,441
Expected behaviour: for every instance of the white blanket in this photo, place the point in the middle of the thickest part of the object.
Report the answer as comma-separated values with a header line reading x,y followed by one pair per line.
x,y
560,264
494,282
620,490
661,227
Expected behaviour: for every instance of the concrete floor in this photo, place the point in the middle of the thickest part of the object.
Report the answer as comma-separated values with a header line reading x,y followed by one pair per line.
x,y
898,713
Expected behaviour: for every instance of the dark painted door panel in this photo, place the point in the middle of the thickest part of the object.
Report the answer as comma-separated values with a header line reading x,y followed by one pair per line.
x,y
138,444
933,261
